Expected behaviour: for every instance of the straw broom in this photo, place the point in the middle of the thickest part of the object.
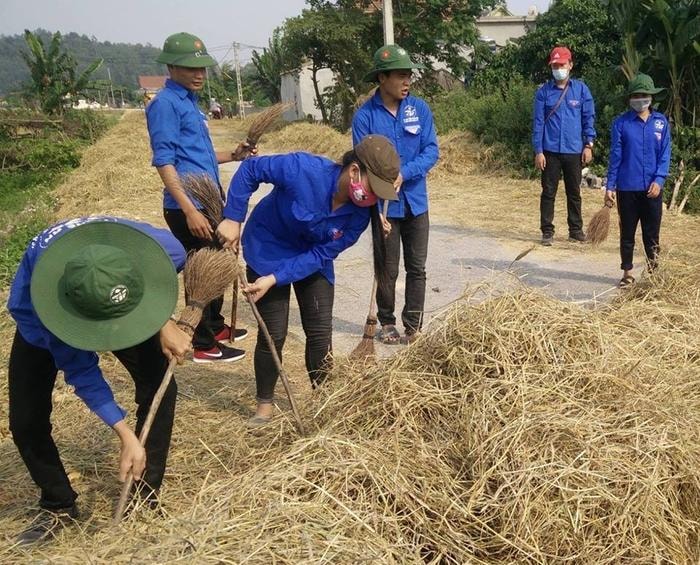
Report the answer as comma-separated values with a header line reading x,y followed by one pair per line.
x,y
365,348
207,273
204,190
599,225
262,122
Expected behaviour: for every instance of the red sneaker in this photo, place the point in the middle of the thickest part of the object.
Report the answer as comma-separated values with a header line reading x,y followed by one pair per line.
x,y
219,353
225,334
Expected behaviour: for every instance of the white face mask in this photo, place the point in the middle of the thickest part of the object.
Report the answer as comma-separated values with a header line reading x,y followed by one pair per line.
x,y
639,105
560,74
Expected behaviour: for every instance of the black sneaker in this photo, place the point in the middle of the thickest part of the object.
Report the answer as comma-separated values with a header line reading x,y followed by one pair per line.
x,y
225,334
577,237
218,354
46,524
547,239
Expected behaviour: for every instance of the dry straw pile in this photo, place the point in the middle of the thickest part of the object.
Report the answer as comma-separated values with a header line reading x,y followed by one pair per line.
x,y
520,429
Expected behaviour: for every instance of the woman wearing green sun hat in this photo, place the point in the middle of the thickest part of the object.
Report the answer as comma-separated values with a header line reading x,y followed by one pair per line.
x,y
640,157
87,285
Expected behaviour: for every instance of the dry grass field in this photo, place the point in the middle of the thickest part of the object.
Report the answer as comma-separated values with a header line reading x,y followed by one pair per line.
x,y
517,429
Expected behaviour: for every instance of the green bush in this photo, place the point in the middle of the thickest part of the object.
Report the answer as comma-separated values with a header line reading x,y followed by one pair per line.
x,y
502,118
87,125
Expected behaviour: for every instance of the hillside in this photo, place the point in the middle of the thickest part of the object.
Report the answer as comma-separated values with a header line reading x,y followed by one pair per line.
x,y
125,61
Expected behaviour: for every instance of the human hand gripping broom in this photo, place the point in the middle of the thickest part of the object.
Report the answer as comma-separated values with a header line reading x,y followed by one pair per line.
x,y
208,272
205,191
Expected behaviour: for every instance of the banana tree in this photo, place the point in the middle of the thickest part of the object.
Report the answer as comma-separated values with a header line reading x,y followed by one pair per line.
x,y
53,72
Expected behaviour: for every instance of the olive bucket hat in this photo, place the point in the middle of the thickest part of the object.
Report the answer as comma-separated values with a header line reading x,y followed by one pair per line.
x,y
104,286
390,58
642,84
185,50
382,161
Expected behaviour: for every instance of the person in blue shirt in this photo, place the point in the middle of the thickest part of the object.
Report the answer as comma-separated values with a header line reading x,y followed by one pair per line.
x,y
181,145
86,285
562,137
316,209
408,122
640,156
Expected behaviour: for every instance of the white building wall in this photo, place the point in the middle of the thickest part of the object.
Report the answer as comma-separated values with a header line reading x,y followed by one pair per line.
x,y
297,88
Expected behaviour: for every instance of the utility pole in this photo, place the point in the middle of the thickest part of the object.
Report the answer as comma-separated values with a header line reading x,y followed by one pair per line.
x,y
241,110
388,17
109,74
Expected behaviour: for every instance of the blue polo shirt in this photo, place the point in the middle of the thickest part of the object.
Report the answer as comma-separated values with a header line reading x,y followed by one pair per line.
x,y
80,368
180,135
293,232
413,134
570,126
640,151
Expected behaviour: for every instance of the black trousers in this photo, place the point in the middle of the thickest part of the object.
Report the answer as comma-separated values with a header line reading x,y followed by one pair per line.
x,y
212,321
635,207
570,165
411,232
315,298
32,374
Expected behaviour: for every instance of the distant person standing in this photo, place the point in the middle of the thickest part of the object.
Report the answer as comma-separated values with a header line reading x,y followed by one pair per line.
x,y
562,136
407,122
640,156
181,145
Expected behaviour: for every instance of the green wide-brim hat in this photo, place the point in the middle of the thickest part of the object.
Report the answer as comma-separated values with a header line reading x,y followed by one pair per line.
x,y
391,58
152,267
185,50
642,84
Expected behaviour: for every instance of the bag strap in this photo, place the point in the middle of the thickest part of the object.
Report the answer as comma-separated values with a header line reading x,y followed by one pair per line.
x,y
556,106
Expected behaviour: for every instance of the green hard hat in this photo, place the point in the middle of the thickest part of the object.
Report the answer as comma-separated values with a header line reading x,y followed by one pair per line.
x,y
390,58
185,50
642,84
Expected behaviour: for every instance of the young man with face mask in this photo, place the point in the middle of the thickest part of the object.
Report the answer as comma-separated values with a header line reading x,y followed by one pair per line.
x,y
640,156
408,122
562,137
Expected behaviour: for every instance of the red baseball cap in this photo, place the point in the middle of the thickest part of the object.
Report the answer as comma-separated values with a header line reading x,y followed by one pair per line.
x,y
559,55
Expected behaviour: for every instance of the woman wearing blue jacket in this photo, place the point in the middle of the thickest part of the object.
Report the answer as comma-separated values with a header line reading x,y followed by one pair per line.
x,y
316,210
640,155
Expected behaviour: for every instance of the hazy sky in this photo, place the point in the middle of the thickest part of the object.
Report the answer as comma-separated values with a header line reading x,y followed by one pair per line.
x,y
217,22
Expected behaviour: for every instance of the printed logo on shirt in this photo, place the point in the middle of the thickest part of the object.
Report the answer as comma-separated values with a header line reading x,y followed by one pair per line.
x,y
574,103
659,124
657,135
44,239
335,233
410,115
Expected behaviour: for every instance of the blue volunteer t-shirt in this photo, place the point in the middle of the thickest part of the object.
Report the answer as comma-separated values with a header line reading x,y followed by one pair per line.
x,y
80,368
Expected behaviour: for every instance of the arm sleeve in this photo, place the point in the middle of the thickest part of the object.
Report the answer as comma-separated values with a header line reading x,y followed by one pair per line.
x,y
163,126
538,120
428,155
664,159
615,154
588,115
82,372
311,261
360,126
274,169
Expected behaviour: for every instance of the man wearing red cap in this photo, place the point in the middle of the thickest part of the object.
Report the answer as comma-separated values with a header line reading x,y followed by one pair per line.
x,y
562,137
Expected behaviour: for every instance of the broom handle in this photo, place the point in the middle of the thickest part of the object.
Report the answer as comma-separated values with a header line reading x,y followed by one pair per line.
x,y
273,351
143,436
373,298
234,304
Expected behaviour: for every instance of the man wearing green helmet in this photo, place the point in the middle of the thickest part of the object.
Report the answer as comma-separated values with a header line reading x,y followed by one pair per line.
x,y
181,145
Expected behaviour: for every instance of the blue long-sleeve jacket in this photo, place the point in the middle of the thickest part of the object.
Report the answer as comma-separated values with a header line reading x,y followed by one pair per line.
x,y
292,232
80,368
570,126
179,135
640,152
412,132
